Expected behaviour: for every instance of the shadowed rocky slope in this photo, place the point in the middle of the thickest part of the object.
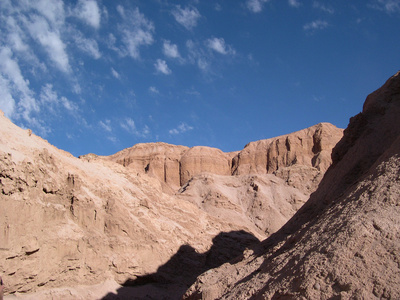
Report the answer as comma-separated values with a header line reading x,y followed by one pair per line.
x,y
344,243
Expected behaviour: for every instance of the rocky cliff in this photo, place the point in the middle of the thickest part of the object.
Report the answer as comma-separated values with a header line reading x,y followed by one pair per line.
x,y
300,158
344,242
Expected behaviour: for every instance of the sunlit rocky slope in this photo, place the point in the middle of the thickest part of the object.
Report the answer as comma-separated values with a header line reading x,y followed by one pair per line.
x,y
150,218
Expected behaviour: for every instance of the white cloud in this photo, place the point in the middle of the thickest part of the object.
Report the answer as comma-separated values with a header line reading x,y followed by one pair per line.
x,y
15,87
106,125
89,12
315,25
52,10
182,128
129,125
170,50
255,6
294,3
50,99
197,55
136,31
50,39
323,7
389,6
7,102
154,90
218,45
115,73
162,67
88,46
187,17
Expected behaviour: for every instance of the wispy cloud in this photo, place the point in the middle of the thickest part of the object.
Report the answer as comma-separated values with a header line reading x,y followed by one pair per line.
x,y
50,99
218,45
255,6
106,125
315,25
170,50
129,125
87,45
115,73
197,55
182,128
89,12
294,3
388,6
49,38
14,86
325,8
136,31
154,90
187,17
162,67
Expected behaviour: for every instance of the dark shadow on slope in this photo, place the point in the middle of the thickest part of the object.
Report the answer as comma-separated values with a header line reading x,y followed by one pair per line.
x,y
174,277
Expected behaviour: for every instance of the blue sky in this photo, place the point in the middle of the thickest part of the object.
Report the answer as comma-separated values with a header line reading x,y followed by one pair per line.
x,y
99,76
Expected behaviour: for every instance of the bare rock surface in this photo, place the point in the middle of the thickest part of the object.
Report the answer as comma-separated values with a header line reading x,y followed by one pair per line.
x,y
344,243
300,158
144,222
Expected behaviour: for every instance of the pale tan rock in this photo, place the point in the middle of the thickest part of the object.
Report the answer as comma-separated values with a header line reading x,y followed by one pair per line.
x,y
68,221
306,151
160,160
199,160
345,241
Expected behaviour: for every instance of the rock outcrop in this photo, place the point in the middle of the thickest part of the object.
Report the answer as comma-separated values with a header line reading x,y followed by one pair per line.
x,y
344,242
300,158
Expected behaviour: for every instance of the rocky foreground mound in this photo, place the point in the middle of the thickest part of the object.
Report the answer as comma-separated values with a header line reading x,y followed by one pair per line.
x,y
344,243
147,220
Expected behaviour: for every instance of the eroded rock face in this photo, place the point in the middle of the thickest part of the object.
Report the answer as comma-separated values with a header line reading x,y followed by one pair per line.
x,y
301,158
160,160
345,241
198,160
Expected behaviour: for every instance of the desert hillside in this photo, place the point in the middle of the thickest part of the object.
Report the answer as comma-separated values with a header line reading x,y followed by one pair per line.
x,y
145,221
344,243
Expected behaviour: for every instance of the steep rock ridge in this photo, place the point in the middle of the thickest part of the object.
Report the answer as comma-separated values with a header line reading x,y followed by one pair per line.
x,y
345,241
300,158
160,160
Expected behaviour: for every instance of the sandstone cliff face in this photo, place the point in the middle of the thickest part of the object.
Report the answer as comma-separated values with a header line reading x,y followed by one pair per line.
x,y
160,160
198,160
344,242
300,158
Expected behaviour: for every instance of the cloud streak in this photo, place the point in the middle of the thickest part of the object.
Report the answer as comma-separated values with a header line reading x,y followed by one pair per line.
x,y
315,25
182,128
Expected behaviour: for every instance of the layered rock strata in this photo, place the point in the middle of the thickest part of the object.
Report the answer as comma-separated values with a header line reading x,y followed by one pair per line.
x,y
300,158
